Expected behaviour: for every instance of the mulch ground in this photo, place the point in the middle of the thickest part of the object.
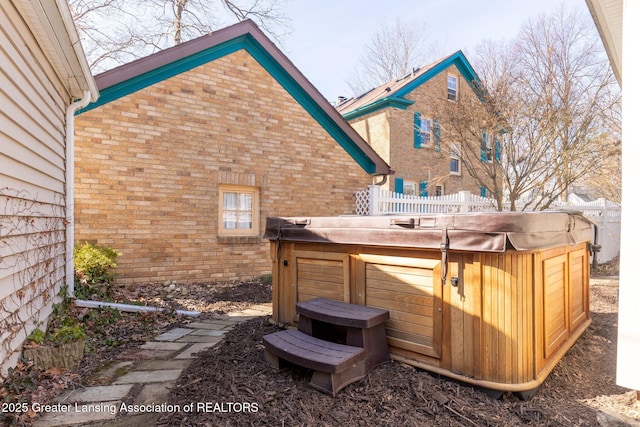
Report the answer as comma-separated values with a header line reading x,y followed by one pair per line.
x,y
233,385
235,373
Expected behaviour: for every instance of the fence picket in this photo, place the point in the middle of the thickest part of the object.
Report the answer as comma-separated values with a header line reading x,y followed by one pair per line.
x,y
377,201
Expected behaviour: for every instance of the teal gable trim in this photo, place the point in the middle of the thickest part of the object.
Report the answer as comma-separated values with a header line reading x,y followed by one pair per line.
x,y
390,101
399,100
458,59
248,43
167,71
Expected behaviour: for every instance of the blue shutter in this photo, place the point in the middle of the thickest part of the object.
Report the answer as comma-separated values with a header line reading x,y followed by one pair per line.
x,y
483,148
483,191
400,185
497,148
417,135
423,189
436,135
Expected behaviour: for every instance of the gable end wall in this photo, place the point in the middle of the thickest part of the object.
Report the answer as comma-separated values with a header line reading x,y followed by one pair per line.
x,y
148,168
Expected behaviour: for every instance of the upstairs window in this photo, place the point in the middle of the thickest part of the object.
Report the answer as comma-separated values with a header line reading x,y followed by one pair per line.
x,y
423,131
426,135
454,160
452,88
489,148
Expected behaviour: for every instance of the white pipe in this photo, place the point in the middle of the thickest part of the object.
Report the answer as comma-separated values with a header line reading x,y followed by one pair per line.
x,y
129,307
70,229
69,146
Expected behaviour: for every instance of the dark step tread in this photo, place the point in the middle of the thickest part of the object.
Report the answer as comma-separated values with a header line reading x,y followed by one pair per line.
x,y
312,353
342,313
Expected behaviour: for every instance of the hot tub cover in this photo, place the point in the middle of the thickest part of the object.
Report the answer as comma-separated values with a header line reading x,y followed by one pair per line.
x,y
483,232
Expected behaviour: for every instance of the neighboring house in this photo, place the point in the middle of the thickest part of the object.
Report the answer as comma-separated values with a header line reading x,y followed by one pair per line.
x,y
188,151
399,121
42,71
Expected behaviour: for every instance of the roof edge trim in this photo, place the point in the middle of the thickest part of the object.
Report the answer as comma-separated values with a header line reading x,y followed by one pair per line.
x,y
390,101
458,59
252,43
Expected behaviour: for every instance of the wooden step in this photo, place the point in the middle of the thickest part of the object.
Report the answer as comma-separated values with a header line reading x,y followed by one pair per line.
x,y
334,365
342,313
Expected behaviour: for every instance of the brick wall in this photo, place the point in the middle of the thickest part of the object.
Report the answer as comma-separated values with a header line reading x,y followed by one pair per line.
x,y
148,167
390,133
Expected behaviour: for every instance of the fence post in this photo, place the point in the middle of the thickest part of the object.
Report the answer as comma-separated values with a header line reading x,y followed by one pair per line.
x,y
374,196
465,198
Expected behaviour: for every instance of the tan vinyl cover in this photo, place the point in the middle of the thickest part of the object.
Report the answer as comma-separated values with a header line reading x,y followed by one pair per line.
x,y
477,232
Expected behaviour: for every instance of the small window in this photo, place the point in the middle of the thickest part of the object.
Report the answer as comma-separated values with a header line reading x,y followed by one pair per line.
x,y
410,188
439,190
489,148
454,162
239,212
452,88
425,132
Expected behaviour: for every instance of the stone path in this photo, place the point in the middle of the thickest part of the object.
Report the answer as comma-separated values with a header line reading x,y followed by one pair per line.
x,y
140,381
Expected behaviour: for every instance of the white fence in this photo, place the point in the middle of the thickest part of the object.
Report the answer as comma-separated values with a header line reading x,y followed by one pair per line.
x,y
376,201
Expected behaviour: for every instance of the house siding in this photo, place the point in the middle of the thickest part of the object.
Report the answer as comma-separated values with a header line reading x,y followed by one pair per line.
x,y
33,101
391,133
148,168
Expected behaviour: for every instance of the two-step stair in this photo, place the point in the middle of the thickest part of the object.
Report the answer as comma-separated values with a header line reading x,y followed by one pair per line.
x,y
340,342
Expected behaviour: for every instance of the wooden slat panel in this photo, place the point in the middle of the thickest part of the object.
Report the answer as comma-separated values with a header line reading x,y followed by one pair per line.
x,y
554,279
404,287
578,288
320,274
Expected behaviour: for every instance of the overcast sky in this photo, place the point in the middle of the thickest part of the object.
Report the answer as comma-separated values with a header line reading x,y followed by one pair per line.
x,y
329,35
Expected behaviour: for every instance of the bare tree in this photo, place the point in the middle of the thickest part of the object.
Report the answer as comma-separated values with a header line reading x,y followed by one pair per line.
x,y
394,50
117,31
550,99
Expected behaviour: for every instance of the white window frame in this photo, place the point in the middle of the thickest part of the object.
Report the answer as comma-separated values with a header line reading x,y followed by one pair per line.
x,y
455,156
426,135
439,190
452,94
410,188
226,216
490,153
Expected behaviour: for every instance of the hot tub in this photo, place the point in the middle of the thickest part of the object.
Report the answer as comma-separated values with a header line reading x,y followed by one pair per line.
x,y
492,299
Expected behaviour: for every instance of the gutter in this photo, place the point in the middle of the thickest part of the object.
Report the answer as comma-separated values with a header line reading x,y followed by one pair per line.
x,y
70,176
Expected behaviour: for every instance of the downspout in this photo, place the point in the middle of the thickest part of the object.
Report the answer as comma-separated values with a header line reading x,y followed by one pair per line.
x,y
70,176
70,229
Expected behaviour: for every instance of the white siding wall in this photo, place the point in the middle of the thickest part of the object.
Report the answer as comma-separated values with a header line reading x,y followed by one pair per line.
x,y
32,181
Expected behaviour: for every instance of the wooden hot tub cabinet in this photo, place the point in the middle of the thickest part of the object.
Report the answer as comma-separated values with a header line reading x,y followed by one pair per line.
x,y
512,299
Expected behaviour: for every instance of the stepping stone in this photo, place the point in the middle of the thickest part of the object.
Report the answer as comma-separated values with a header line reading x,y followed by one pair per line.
x,y
200,338
213,325
207,333
190,352
156,393
84,414
114,370
173,334
95,394
149,376
162,345
252,312
159,365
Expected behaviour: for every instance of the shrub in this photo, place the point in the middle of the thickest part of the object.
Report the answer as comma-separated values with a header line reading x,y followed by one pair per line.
x,y
94,266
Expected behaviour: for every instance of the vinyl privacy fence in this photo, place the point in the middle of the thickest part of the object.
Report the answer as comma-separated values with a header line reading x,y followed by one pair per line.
x,y
604,214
